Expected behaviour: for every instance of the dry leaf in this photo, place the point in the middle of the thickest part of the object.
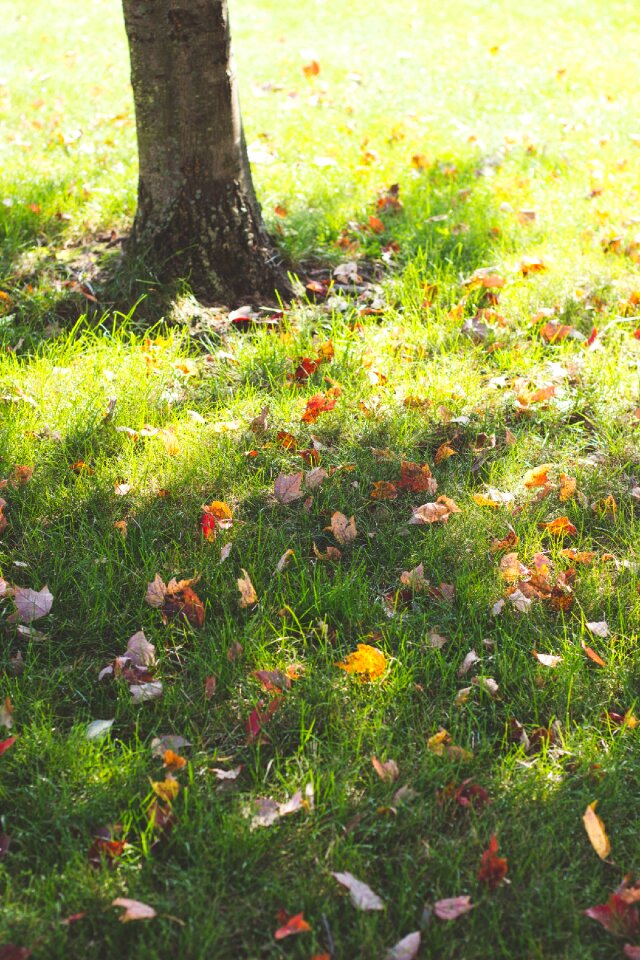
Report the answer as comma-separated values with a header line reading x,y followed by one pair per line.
x,y
295,924
596,831
331,554
367,661
443,452
438,512
452,907
248,595
314,478
30,604
407,948
383,490
567,487
470,659
387,770
559,526
362,896
547,659
537,477
133,910
288,487
259,423
593,655
285,560
20,475
343,530
600,628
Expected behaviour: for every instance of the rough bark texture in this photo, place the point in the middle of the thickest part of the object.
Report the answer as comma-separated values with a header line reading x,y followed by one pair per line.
x,y
197,215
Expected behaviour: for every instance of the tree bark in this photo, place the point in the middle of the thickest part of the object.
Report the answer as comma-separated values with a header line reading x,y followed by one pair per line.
x,y
197,218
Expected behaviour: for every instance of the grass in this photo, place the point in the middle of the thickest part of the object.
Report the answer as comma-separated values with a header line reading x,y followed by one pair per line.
x,y
509,109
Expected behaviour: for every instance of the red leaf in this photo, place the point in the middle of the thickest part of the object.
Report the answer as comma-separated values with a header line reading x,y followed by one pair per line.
x,y
316,405
9,951
295,924
260,716
4,746
493,869
616,916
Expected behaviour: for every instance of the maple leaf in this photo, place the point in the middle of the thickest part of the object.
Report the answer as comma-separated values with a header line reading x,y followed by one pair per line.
x,y
367,661
416,478
317,404
167,789
215,514
452,907
492,498
173,761
294,925
617,916
596,831
511,569
556,332
383,490
259,716
259,424
443,452
510,540
20,475
441,743
362,896
344,530
287,487
286,440
305,369
407,948
133,910
30,604
567,487
559,526
438,512
493,869
537,476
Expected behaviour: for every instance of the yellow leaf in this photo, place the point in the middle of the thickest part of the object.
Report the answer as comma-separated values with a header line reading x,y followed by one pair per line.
x,y
367,661
248,595
167,789
596,831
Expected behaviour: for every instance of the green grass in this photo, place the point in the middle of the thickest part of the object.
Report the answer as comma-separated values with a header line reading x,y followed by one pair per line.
x,y
549,119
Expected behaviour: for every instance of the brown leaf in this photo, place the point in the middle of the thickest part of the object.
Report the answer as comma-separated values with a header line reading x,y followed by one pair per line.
x,y
331,554
343,530
596,831
443,452
510,540
20,475
259,423
387,770
567,487
547,659
362,896
248,595
288,487
438,512
416,478
383,490
285,560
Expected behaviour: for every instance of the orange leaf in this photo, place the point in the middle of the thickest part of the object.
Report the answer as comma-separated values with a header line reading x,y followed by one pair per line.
x,y
537,476
248,595
593,655
416,478
567,487
367,661
343,530
295,924
443,452
559,526
383,490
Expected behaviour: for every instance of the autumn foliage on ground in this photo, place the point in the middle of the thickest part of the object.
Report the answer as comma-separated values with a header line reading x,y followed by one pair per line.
x,y
320,622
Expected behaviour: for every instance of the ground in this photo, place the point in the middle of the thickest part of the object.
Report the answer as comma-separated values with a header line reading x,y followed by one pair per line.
x,y
494,310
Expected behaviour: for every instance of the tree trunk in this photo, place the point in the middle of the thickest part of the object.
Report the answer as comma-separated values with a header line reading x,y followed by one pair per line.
x,y
197,217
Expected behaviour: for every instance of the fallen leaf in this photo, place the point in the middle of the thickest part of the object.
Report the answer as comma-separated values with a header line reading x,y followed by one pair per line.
x,y
288,487
167,789
133,910
331,554
443,452
407,948
617,916
537,476
285,560
248,595
438,512
315,478
493,869
20,475
367,661
596,831
141,692
98,728
416,478
215,514
559,526
30,604
519,601
452,907
600,628
259,424
510,540
593,655
294,925
547,659
210,685
317,404
362,896
470,659
343,530
387,770
567,487
383,490
5,744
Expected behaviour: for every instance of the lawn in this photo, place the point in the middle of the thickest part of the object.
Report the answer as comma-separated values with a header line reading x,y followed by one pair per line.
x,y
472,175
